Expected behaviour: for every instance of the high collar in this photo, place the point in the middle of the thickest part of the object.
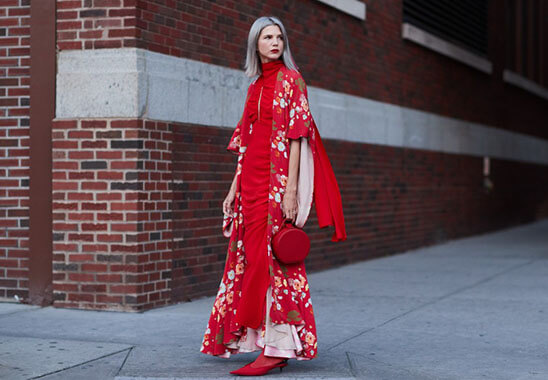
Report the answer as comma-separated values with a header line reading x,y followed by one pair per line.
x,y
271,67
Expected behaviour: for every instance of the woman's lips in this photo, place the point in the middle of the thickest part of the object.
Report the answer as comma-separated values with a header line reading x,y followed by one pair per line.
x,y
274,50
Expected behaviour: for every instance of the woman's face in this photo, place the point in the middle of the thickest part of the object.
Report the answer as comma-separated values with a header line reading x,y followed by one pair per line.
x,y
271,43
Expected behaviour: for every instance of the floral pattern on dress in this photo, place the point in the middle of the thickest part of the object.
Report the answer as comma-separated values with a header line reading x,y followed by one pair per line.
x,y
291,119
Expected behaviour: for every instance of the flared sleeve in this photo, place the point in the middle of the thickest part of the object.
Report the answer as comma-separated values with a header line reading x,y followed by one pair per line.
x,y
299,112
235,140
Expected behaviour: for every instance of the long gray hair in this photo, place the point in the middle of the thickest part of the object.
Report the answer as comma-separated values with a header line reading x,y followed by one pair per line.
x,y
252,60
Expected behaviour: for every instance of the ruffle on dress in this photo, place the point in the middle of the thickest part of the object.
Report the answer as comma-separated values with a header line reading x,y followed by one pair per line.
x,y
279,340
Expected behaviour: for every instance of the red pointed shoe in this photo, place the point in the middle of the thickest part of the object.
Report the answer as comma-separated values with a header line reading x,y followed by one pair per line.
x,y
247,370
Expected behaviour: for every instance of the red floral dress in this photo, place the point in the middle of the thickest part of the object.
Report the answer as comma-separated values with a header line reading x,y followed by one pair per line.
x,y
231,322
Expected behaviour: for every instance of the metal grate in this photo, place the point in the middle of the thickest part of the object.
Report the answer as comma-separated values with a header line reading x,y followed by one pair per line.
x,y
463,22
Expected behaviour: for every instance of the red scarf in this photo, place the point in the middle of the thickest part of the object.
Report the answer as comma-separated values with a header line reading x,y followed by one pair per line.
x,y
326,191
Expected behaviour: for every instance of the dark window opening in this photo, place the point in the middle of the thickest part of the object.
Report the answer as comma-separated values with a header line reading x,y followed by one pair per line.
x,y
463,23
526,38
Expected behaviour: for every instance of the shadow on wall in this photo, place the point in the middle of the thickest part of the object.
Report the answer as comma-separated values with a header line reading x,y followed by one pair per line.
x,y
542,209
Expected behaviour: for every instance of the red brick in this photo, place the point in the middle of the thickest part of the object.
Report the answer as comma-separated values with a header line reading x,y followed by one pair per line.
x,y
81,216
81,257
110,238
83,277
94,185
78,134
94,227
87,297
65,287
94,288
81,154
109,278
94,248
94,267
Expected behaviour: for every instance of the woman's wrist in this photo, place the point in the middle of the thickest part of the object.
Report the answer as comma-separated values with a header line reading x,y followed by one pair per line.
x,y
291,189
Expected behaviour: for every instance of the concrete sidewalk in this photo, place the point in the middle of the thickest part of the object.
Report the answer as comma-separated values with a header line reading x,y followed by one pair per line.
x,y
473,308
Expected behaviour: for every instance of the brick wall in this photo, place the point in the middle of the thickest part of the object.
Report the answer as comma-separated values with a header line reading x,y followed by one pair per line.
x,y
112,227
334,51
96,24
137,203
394,200
202,172
14,147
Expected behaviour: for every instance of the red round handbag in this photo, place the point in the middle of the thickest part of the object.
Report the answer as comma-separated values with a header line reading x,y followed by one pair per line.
x,y
290,244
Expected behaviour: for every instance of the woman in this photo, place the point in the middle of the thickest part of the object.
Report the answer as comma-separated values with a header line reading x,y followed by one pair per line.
x,y
282,167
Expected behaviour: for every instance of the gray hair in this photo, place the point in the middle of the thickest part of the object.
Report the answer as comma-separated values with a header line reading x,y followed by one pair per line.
x,y
252,60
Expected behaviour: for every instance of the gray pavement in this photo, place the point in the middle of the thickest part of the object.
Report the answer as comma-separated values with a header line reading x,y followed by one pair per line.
x,y
473,308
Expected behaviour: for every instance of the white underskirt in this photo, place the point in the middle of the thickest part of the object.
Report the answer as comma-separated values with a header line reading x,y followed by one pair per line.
x,y
279,340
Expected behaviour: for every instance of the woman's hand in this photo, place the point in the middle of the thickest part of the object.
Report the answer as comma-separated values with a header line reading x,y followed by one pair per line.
x,y
228,202
289,205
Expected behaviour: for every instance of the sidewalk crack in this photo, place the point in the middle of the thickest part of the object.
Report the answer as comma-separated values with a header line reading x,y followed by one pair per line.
x,y
79,364
124,361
